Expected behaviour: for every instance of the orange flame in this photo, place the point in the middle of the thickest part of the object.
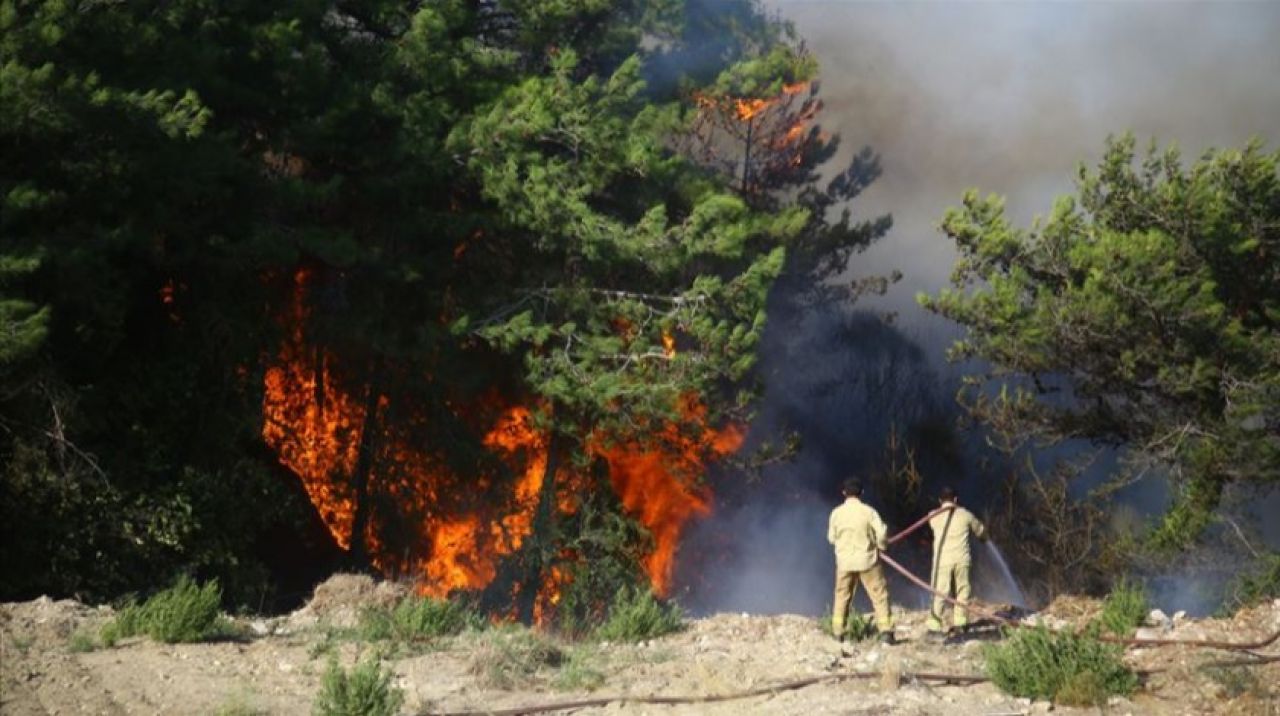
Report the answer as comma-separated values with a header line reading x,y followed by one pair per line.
x,y
315,427
749,108
776,130
655,481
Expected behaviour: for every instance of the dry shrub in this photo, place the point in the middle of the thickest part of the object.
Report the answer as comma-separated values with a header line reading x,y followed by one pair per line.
x,y
512,658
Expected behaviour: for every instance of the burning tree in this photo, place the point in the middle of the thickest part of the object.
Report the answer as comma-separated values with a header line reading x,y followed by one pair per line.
x,y
447,262
615,291
757,125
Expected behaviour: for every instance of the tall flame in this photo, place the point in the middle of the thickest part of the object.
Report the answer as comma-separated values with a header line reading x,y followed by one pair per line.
x,y
313,427
464,528
656,481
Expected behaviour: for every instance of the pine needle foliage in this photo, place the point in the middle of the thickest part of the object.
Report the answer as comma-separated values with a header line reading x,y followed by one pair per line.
x,y
1141,312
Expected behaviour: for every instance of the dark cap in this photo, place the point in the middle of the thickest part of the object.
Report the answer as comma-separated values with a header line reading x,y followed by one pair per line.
x,y
852,487
947,494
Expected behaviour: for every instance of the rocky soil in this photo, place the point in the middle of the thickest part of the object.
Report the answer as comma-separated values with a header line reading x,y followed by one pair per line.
x,y
50,665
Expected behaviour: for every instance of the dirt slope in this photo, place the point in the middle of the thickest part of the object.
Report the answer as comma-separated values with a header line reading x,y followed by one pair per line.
x,y
277,669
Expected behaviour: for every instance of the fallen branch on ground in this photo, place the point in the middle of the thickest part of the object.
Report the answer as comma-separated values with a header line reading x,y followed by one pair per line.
x,y
956,679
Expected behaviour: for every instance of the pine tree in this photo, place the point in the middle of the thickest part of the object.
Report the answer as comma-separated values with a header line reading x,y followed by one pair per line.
x,y
1140,314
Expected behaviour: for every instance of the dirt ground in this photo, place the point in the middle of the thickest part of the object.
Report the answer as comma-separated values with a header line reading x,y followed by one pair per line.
x,y
48,665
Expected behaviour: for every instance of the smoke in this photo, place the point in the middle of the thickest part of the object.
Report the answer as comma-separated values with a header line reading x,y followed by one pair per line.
x,y
1007,97
1010,97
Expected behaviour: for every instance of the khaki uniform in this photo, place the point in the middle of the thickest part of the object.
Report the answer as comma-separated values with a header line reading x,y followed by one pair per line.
x,y
952,560
857,533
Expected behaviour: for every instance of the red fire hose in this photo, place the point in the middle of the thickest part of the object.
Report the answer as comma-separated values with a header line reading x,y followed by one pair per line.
x,y
919,523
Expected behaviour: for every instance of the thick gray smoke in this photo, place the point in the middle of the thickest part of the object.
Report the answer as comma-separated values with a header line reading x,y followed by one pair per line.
x,y
1005,96
1010,96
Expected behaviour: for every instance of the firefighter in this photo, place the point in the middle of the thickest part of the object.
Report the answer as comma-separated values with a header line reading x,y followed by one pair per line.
x,y
951,557
858,534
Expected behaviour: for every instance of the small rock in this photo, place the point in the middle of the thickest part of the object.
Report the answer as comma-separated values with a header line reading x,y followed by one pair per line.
x,y
1179,616
259,627
1157,618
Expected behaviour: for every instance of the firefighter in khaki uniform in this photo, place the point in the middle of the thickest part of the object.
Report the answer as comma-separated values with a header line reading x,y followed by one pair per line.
x,y
858,534
951,557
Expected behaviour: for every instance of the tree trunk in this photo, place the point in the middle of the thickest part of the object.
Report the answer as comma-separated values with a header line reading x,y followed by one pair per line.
x,y
540,549
358,556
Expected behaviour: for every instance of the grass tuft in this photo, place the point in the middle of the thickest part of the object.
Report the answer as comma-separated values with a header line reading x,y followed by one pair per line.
x,y
239,705
1068,668
1235,681
364,691
512,658
637,615
185,612
21,644
578,671
857,627
418,619
1125,608
81,642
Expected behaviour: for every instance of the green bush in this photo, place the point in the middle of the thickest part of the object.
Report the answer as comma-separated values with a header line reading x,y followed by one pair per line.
x,y
512,658
1125,608
185,612
365,691
636,615
857,627
417,619
1073,669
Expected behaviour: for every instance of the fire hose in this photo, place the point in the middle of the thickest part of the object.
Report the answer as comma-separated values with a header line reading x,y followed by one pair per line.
x,y
1201,643
918,524
774,689
770,690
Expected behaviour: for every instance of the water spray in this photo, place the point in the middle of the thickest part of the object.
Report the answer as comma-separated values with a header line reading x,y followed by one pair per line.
x,y
1017,598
